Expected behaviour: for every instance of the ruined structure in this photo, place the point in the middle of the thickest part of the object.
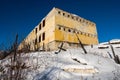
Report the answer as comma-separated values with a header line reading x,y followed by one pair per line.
x,y
60,26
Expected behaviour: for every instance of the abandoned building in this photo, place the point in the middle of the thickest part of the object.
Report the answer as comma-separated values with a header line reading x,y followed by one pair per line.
x,y
60,26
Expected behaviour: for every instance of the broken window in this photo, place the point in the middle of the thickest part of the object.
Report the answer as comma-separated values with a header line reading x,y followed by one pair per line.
x,y
35,41
43,36
80,20
63,14
43,22
92,24
40,38
87,22
64,29
68,15
58,12
40,27
35,30
59,28
69,30
88,35
72,17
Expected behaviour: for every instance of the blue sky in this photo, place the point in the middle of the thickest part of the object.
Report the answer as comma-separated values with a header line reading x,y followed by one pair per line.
x,y
21,16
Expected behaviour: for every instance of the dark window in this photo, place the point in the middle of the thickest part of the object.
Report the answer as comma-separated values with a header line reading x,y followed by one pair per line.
x,y
64,29
35,41
69,30
87,22
63,14
59,28
35,30
40,27
40,38
43,22
58,12
43,36
88,35
72,17
68,15
80,20
92,24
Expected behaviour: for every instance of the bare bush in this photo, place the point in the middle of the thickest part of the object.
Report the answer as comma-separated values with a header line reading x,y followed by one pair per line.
x,y
15,68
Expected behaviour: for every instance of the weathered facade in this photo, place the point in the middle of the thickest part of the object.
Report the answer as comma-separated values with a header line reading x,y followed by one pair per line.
x,y
60,26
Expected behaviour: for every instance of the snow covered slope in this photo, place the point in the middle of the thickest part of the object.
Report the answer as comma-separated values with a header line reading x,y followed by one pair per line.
x,y
73,64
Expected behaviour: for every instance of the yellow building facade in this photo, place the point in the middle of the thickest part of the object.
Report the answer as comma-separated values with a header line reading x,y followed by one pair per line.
x,y
60,26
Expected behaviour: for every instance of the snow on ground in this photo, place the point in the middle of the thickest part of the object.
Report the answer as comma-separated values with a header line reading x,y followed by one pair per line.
x,y
73,64
115,41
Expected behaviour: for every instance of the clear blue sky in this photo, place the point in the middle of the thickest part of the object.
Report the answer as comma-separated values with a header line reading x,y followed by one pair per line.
x,y
21,16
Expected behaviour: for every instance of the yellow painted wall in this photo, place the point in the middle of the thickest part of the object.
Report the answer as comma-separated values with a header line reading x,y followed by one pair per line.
x,y
67,22
53,21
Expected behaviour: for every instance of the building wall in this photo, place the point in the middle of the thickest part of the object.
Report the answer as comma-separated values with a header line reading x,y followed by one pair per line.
x,y
35,38
60,26
67,25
